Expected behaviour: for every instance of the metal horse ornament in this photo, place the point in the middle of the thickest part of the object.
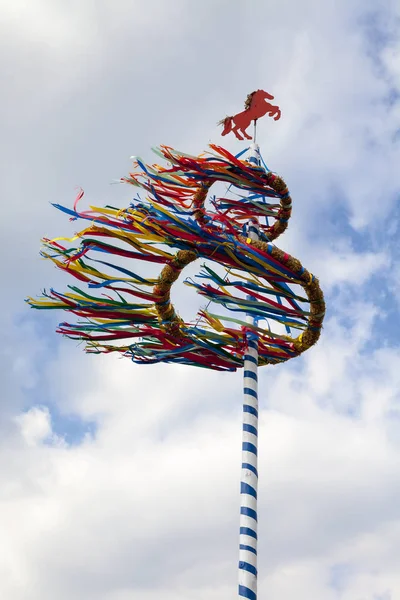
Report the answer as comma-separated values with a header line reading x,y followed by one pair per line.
x,y
256,106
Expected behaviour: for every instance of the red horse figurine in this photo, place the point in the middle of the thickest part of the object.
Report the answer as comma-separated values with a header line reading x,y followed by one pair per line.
x,y
256,106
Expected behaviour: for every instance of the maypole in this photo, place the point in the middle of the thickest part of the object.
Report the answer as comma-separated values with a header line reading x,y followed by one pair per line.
x,y
249,472
121,309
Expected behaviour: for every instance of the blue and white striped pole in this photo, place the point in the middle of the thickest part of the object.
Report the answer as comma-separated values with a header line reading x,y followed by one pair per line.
x,y
249,473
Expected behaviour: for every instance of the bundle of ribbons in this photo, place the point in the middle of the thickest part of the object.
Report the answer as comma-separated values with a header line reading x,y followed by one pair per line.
x,y
120,309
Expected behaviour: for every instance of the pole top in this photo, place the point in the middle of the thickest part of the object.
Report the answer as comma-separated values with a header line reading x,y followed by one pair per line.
x,y
254,154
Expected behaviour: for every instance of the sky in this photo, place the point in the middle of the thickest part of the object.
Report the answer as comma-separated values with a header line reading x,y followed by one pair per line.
x,y
120,481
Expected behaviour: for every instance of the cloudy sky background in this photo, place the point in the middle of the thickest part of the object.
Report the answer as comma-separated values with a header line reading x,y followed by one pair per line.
x,y
121,482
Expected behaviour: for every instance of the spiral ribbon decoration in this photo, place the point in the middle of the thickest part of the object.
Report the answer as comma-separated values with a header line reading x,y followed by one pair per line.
x,y
173,226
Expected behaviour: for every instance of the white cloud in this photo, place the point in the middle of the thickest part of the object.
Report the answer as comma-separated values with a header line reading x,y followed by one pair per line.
x,y
154,496
35,425
54,25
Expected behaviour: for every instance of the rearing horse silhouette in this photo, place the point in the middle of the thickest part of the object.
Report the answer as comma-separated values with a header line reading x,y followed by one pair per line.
x,y
256,106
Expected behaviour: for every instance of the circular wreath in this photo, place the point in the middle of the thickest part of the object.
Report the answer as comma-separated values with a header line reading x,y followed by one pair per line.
x,y
174,215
